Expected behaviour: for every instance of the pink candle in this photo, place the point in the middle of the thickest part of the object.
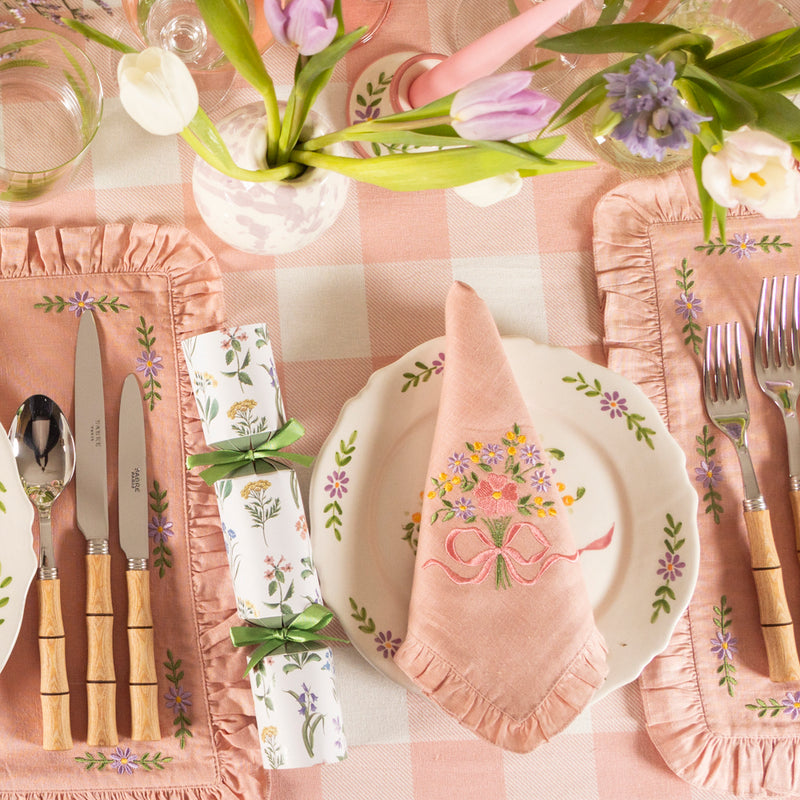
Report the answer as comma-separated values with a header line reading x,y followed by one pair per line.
x,y
485,55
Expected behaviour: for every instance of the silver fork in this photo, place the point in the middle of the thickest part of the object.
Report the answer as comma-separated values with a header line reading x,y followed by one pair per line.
x,y
777,363
726,404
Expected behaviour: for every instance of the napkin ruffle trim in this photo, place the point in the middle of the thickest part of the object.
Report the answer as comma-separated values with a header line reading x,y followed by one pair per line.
x,y
564,701
186,269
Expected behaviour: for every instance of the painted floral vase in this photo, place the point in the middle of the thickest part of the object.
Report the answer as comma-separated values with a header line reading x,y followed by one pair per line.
x,y
267,218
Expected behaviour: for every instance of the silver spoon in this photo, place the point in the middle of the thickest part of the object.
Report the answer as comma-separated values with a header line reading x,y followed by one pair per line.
x,y
45,454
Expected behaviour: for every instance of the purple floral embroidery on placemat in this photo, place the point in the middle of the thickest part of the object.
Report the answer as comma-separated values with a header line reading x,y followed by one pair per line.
x,y
689,306
123,761
79,302
723,645
709,473
743,245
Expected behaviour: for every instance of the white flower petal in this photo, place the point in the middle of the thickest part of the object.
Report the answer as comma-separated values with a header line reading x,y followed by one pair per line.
x,y
157,90
489,191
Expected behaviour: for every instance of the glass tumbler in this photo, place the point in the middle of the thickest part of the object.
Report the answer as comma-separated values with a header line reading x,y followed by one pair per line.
x,y
51,103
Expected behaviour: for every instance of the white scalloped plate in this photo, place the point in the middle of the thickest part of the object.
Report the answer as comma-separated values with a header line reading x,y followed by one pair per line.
x,y
379,446
18,560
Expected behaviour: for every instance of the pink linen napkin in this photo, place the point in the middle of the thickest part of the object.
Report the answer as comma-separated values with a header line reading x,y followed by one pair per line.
x,y
501,632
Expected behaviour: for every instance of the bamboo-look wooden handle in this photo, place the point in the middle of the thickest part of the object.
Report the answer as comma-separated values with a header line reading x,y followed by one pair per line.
x,y
143,678
53,686
101,683
795,498
776,621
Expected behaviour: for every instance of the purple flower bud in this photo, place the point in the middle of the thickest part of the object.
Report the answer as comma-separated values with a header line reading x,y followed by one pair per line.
x,y
500,107
308,25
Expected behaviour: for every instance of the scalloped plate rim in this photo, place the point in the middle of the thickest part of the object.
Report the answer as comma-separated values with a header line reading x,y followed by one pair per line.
x,y
636,655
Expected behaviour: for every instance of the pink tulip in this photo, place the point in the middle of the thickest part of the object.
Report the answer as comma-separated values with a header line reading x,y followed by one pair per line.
x,y
308,25
500,107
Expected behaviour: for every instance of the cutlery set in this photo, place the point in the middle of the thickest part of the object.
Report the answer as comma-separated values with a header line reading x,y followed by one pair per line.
x,y
47,456
776,359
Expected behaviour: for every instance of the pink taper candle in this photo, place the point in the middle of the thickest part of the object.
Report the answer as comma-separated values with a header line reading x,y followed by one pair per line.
x,y
488,53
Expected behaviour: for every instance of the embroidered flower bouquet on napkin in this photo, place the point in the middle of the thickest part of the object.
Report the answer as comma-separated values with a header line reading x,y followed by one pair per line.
x,y
501,632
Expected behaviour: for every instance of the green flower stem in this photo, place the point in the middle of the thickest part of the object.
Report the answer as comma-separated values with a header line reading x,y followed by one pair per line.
x,y
232,170
371,131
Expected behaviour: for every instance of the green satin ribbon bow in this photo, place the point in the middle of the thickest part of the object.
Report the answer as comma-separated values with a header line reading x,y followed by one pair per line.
x,y
302,630
225,462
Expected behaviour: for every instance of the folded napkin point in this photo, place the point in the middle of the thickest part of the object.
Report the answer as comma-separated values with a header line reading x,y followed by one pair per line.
x,y
490,637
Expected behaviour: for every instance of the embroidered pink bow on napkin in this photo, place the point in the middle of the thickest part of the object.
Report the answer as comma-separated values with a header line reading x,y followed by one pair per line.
x,y
501,632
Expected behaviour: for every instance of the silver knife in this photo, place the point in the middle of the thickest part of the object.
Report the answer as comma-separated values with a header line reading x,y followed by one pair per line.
x,y
91,481
133,536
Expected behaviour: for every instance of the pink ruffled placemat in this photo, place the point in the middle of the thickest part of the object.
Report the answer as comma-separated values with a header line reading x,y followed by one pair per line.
x,y
710,708
149,287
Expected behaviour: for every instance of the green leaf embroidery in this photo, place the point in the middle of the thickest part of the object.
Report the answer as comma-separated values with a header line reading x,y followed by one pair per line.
x,y
177,699
723,645
104,304
149,363
713,473
689,306
162,554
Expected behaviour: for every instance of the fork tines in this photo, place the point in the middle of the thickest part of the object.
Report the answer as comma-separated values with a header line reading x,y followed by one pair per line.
x,y
722,366
778,323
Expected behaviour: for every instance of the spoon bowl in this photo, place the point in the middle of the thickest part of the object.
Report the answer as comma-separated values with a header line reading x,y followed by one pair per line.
x,y
44,451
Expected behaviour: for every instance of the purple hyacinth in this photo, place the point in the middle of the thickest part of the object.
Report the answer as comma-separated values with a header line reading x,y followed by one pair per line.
x,y
654,118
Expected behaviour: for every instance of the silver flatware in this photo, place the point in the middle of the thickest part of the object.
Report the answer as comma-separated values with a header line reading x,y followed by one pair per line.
x,y
776,358
726,404
45,455
133,536
92,513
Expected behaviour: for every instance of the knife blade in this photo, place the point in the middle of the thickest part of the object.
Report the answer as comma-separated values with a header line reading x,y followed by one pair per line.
x,y
91,493
133,536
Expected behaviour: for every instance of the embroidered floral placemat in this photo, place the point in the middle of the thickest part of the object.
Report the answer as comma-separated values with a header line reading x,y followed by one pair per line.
x,y
149,288
710,708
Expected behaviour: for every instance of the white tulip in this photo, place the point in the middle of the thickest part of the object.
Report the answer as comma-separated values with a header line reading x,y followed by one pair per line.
x,y
754,169
489,191
157,90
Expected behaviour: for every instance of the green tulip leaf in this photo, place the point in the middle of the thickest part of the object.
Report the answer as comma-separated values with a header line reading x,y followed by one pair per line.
x,y
730,62
629,37
772,75
410,172
228,25
727,106
775,113
611,10
310,80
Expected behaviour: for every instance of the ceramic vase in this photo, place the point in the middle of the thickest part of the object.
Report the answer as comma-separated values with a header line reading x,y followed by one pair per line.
x,y
267,218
